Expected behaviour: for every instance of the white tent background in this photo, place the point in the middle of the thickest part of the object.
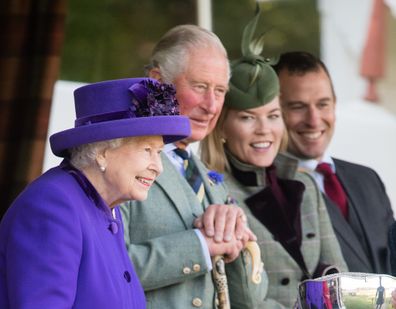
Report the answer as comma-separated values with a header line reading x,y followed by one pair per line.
x,y
365,132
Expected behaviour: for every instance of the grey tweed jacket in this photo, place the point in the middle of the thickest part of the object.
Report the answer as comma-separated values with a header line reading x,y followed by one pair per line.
x,y
167,253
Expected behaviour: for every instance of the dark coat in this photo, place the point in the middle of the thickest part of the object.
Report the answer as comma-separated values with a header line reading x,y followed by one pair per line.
x,y
364,239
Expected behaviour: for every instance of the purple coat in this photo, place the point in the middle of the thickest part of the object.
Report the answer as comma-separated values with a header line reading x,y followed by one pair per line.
x,y
60,247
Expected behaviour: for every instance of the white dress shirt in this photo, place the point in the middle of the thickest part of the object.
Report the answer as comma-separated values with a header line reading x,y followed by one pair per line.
x,y
311,165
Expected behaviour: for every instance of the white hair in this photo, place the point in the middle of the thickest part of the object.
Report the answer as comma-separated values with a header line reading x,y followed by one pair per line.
x,y
85,155
171,53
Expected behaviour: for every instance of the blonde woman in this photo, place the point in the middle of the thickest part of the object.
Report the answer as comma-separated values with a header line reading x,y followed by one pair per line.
x,y
283,205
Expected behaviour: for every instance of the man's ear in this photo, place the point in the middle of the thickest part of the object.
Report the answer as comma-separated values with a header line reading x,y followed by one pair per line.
x,y
156,74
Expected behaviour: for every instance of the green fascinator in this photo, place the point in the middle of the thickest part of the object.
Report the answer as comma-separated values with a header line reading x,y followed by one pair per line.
x,y
253,83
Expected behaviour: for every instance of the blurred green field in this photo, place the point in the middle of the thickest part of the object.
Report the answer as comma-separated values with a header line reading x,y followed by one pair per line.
x,y
363,302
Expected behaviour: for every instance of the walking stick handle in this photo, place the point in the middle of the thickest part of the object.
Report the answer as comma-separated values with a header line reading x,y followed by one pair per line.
x,y
220,278
257,265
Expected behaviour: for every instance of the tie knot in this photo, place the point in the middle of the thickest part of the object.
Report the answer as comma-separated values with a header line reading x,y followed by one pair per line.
x,y
182,153
324,168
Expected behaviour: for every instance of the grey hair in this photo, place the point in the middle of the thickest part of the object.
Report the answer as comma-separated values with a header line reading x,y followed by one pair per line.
x,y
85,155
171,52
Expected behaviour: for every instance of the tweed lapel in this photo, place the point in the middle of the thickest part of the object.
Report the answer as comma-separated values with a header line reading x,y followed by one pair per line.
x,y
308,209
286,166
179,192
213,192
308,227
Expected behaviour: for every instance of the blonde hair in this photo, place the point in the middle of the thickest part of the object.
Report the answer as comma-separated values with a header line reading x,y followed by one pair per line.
x,y
212,147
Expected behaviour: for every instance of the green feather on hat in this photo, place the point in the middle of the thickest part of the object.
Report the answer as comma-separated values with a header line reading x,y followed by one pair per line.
x,y
253,82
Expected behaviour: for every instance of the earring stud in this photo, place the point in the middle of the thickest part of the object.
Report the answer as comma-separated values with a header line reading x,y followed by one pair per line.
x,y
102,168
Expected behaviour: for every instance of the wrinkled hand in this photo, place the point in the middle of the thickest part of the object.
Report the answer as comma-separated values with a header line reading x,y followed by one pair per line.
x,y
230,249
393,299
223,223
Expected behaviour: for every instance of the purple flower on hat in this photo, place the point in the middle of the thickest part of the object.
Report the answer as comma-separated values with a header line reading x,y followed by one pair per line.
x,y
152,98
216,177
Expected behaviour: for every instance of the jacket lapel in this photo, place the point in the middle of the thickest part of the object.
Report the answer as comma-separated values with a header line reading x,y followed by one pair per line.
x,y
355,202
182,197
344,231
354,199
211,189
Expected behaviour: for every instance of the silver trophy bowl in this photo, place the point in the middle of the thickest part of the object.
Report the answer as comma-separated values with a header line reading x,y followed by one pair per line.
x,y
347,291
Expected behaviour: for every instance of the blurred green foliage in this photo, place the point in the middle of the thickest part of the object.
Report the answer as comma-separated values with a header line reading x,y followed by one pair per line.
x,y
113,38
287,24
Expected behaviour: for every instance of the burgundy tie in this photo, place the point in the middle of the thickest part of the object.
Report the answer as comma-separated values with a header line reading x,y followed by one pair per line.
x,y
333,188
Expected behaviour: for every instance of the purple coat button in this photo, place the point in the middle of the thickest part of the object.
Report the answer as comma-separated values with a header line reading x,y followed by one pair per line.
x,y
113,227
127,276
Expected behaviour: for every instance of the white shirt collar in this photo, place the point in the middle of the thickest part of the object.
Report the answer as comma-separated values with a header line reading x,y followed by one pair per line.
x,y
176,160
311,164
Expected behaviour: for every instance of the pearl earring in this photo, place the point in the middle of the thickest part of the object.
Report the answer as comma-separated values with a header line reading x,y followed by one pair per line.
x,y
102,168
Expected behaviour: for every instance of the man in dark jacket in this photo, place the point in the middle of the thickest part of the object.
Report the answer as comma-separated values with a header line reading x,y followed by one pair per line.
x,y
355,196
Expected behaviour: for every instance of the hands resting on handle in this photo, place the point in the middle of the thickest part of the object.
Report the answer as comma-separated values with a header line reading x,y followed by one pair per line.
x,y
225,230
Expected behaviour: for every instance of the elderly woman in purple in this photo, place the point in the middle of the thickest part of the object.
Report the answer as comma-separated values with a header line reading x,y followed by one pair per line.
x,y
61,241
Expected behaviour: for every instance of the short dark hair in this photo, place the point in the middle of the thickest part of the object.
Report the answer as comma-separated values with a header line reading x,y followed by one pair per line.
x,y
300,63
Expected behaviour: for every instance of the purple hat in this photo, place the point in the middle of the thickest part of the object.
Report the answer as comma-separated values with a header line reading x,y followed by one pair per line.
x,y
122,108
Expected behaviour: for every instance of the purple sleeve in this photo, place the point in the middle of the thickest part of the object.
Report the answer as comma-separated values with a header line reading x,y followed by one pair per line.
x,y
43,247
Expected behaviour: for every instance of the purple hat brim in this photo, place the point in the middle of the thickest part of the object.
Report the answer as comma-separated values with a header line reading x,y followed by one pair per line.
x,y
172,128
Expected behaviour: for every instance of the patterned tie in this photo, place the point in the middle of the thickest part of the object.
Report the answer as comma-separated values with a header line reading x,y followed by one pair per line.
x,y
333,188
192,174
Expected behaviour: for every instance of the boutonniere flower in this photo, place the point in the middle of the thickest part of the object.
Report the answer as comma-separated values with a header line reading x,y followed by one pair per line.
x,y
215,178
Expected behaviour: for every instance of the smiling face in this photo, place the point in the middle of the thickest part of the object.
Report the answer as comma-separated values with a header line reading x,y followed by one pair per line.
x,y
308,105
201,88
254,135
130,169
